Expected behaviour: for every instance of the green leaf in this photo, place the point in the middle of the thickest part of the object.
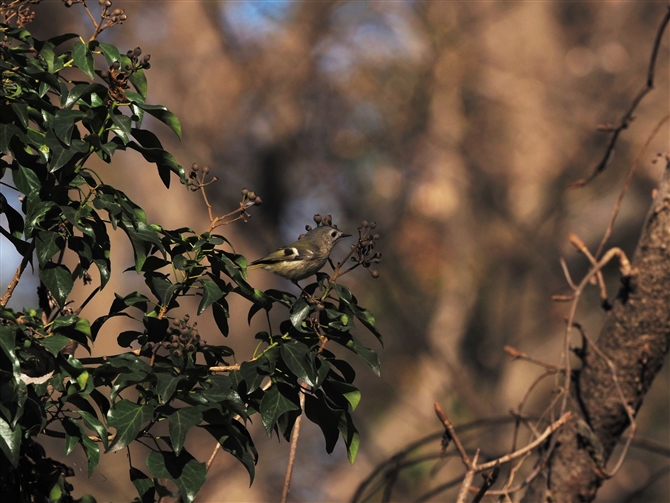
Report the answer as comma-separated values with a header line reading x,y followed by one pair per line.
x,y
110,52
74,434
368,356
128,419
83,58
166,385
221,314
179,423
64,124
26,180
10,442
164,115
350,435
58,279
183,470
36,210
297,358
21,111
161,287
54,343
144,485
234,438
325,417
277,400
47,244
345,390
14,218
142,237
299,312
94,424
362,314
210,294
139,81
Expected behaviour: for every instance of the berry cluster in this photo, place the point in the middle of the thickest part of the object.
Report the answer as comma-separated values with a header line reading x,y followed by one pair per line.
x,y
118,78
182,338
363,250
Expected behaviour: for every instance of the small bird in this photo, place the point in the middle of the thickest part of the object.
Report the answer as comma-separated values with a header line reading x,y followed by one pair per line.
x,y
304,257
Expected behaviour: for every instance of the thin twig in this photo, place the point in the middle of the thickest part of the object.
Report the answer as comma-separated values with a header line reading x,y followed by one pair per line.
x,y
628,116
489,480
15,280
294,446
516,354
521,452
626,185
442,416
467,481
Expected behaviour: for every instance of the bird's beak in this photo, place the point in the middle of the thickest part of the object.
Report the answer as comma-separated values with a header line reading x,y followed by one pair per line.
x,y
345,236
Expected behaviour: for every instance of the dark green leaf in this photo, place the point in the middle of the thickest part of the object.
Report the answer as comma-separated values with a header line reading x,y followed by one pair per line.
x,y
26,180
367,355
111,54
166,385
58,279
139,81
299,312
144,485
325,417
94,424
183,470
47,244
21,111
64,124
220,311
128,419
280,398
54,343
297,358
234,438
83,58
10,442
350,435
14,218
362,314
210,294
161,287
179,423
164,115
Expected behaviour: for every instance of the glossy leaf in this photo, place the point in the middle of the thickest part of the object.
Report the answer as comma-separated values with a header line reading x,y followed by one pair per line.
x,y
83,58
128,419
144,485
164,115
183,470
10,442
58,279
297,358
179,422
210,294
277,400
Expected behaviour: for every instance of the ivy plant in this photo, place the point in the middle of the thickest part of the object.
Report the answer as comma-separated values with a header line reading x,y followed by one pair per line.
x,y
63,101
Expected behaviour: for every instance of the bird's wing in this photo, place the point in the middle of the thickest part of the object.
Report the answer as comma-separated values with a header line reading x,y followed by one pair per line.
x,y
287,254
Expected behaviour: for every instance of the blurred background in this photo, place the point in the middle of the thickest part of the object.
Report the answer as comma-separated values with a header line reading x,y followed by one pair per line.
x,y
457,127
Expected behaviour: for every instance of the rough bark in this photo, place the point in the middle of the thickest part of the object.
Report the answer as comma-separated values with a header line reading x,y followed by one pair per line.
x,y
636,338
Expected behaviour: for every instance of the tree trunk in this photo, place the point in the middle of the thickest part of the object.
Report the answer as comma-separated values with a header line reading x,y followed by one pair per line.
x,y
635,337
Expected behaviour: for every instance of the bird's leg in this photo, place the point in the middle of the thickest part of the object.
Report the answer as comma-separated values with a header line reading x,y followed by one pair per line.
x,y
309,297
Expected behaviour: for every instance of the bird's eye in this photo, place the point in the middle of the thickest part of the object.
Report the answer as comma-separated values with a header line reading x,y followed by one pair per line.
x,y
333,234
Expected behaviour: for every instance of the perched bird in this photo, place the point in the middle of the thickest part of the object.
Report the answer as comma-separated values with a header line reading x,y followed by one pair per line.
x,y
304,257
